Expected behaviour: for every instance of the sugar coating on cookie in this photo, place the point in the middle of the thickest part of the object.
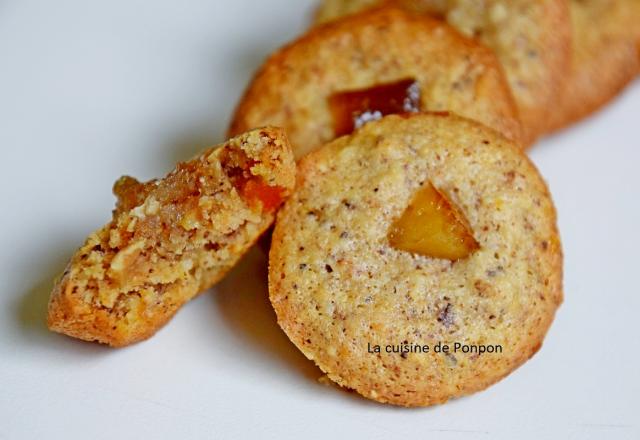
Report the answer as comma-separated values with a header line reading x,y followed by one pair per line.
x,y
295,86
531,38
169,239
605,57
340,288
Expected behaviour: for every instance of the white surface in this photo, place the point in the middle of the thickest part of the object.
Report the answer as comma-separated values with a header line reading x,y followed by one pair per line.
x,y
92,90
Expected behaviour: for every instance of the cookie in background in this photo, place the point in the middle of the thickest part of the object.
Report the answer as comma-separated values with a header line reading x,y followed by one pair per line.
x,y
531,38
361,67
605,57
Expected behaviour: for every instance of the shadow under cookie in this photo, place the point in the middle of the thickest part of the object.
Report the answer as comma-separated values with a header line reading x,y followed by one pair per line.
x,y
243,302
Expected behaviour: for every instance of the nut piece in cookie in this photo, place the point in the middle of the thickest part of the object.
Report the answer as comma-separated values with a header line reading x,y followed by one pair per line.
x,y
370,313
172,238
357,69
531,38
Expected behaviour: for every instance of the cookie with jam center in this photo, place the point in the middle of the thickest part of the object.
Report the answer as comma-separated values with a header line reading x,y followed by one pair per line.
x,y
531,38
417,231
346,73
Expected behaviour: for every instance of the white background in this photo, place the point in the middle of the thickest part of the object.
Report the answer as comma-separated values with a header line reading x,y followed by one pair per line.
x,y
93,90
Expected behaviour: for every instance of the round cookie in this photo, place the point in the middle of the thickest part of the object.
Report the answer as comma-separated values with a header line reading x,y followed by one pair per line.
x,y
339,288
606,57
381,46
530,37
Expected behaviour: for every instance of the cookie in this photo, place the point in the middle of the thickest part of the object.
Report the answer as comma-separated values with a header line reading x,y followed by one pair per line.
x,y
530,37
172,238
606,57
342,283
378,52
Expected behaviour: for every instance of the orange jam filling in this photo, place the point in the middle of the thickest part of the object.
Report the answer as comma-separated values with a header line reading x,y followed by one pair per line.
x,y
353,109
432,226
255,189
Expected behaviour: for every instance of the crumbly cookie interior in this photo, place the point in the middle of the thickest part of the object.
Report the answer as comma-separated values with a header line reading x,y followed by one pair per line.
x,y
171,238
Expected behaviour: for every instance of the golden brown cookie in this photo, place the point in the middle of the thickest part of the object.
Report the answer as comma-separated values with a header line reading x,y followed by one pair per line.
x,y
380,48
170,239
606,57
342,283
530,37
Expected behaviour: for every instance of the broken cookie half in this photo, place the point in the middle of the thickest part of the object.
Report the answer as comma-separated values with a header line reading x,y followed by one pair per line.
x,y
171,238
